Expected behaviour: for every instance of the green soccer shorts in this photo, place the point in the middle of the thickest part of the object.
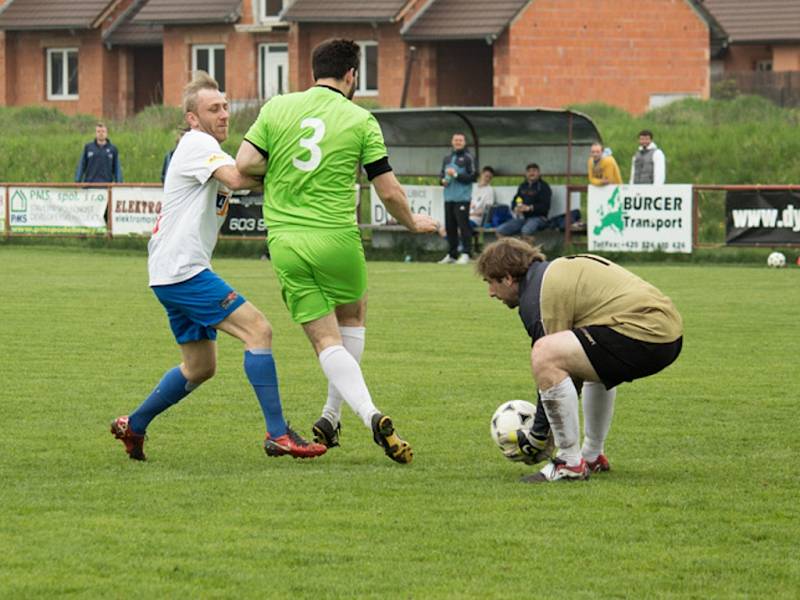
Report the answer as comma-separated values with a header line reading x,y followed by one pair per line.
x,y
318,270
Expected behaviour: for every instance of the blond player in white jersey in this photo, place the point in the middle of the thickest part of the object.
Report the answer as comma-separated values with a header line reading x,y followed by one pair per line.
x,y
198,302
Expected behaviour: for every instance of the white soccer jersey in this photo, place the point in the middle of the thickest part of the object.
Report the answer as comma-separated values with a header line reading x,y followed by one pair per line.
x,y
192,212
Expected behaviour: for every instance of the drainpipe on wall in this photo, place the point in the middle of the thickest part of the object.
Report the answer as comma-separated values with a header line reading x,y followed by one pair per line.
x,y
411,55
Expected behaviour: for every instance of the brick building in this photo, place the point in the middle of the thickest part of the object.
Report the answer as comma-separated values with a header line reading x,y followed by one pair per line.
x,y
242,44
762,36
629,53
48,46
113,57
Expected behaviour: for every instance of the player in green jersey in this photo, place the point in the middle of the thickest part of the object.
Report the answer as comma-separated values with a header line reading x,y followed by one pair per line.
x,y
308,146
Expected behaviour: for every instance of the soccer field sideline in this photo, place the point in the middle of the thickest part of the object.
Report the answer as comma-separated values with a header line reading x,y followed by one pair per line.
x,y
689,509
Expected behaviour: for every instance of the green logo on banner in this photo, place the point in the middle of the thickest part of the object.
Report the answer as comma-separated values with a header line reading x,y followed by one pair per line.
x,y
611,215
19,202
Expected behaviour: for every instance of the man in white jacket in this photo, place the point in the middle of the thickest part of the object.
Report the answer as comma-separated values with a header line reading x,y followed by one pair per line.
x,y
649,165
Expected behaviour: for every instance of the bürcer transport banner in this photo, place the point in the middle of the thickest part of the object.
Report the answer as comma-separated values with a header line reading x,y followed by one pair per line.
x,y
2,209
640,218
135,209
769,217
57,210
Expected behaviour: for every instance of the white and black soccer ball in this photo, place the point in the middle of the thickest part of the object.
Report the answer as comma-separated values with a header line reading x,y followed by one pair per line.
x,y
776,260
509,417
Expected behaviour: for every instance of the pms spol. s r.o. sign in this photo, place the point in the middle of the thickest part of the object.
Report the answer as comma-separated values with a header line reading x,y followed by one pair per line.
x,y
640,218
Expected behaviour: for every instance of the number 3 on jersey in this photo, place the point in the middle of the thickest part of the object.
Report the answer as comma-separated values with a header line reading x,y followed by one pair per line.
x,y
311,144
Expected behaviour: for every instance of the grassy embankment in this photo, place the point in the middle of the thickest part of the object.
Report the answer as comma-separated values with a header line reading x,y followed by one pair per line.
x,y
747,140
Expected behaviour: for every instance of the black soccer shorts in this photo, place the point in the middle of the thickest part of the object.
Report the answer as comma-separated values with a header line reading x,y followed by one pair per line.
x,y
617,358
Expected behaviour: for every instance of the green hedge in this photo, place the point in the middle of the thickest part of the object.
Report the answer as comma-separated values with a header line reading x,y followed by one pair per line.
x,y
744,140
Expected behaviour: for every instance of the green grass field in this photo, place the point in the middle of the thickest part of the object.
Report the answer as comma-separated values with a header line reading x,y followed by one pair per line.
x,y
702,500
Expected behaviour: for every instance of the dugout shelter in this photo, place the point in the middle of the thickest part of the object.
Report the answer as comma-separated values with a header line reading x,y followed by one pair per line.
x,y
505,138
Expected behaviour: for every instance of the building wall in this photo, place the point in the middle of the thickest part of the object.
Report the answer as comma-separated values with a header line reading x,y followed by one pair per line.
x,y
786,58
25,54
5,85
241,58
559,52
745,57
741,57
392,60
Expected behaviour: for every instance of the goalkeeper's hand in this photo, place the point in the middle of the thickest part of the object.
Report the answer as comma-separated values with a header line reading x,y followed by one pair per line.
x,y
522,446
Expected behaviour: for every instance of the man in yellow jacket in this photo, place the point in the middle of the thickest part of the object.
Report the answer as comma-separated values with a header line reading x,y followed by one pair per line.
x,y
603,169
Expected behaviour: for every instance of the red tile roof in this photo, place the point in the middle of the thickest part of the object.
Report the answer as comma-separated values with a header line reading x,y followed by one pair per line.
x,y
757,20
187,12
137,34
462,19
321,11
51,14
124,32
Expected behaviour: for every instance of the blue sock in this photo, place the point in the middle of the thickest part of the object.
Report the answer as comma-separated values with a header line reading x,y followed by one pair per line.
x,y
259,367
170,390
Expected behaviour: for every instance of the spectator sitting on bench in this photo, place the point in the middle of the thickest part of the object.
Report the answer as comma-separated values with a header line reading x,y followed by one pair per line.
x,y
482,198
530,206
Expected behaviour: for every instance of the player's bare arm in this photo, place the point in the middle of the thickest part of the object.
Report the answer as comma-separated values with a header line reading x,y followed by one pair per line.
x,y
392,195
235,179
250,161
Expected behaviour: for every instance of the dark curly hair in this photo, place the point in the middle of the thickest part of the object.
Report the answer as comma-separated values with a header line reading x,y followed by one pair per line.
x,y
334,58
508,256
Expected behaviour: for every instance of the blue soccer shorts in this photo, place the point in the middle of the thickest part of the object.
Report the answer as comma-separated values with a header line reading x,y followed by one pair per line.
x,y
194,306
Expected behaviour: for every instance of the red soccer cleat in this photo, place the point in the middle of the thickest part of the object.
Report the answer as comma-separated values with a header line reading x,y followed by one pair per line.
x,y
134,442
599,464
558,470
293,444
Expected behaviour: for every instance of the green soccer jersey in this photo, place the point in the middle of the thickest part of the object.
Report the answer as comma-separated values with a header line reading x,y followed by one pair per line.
x,y
315,141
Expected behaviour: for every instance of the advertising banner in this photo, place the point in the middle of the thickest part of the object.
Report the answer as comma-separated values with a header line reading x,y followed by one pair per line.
x,y
640,218
762,217
429,200
424,200
245,218
57,210
2,210
135,210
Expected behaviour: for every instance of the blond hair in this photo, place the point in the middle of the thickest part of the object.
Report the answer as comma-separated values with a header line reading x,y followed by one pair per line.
x,y
200,81
508,256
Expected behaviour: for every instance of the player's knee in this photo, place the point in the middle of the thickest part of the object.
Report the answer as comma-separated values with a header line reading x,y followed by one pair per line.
x,y
200,373
261,333
544,359
542,353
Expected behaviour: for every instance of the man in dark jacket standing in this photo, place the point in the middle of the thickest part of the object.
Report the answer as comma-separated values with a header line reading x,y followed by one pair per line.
x,y
100,160
457,175
531,205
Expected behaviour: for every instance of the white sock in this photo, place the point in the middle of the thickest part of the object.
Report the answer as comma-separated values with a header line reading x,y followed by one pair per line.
x,y
343,372
561,405
353,339
598,410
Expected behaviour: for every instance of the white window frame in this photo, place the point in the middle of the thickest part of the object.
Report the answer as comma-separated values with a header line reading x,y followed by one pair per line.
x,y
764,66
262,10
362,71
212,67
263,50
65,74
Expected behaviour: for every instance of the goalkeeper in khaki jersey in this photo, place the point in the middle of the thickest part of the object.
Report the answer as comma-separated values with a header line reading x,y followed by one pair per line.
x,y
308,146
593,326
